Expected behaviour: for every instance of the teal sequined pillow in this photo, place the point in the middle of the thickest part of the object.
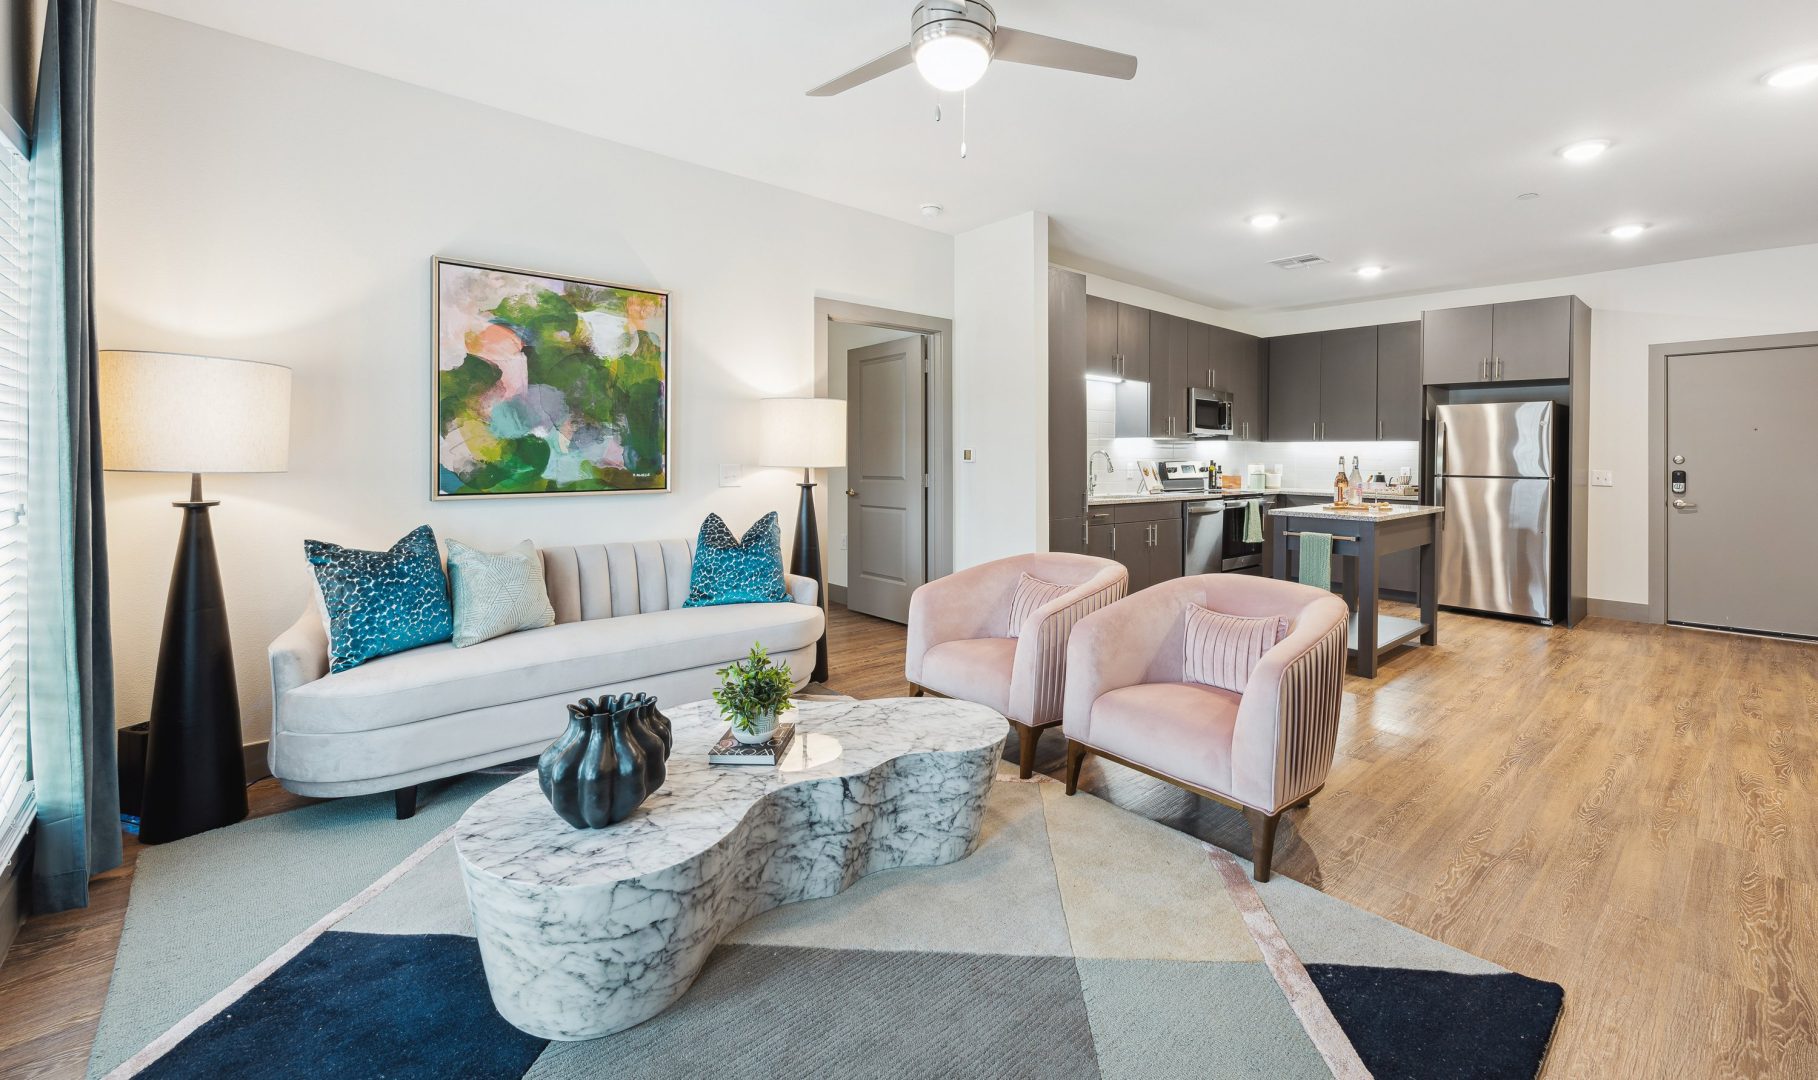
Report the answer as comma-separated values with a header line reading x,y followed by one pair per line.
x,y
732,571
376,603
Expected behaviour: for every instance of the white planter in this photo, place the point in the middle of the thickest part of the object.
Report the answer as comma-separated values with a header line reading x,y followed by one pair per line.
x,y
762,728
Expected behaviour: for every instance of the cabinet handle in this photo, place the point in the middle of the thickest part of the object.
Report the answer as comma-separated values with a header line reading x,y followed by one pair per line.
x,y
1379,429
1113,538
1322,429
1315,429
1214,380
1499,369
1085,537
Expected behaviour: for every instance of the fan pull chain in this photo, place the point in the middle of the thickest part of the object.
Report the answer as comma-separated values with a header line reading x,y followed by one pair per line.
x,y
962,125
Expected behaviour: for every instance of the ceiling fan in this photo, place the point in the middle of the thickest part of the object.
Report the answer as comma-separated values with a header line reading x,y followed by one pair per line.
x,y
952,42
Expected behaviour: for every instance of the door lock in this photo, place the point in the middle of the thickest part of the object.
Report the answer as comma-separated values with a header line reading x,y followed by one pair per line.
x,y
1679,481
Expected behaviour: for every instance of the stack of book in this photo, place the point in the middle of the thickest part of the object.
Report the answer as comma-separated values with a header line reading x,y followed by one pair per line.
x,y
730,751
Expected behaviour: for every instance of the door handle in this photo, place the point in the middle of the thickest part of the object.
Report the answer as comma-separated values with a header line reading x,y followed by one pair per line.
x,y
1681,504
851,492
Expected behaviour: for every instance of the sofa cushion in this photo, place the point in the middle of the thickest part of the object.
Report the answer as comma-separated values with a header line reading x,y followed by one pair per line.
x,y
972,669
496,592
1220,650
729,570
1182,730
1032,594
438,680
375,603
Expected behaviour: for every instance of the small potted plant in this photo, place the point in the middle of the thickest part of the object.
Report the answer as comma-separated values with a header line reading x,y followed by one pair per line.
x,y
753,693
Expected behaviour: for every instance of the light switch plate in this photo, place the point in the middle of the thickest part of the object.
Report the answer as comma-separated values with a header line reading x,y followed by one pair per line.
x,y
730,476
965,455
1602,478
843,539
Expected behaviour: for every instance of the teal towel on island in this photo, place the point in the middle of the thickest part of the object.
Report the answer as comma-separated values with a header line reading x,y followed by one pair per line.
x,y
1316,560
1253,522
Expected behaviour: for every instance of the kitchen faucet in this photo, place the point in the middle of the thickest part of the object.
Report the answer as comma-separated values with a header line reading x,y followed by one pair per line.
x,y
1092,477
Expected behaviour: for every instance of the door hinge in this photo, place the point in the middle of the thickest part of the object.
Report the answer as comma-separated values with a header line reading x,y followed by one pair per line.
x,y
927,481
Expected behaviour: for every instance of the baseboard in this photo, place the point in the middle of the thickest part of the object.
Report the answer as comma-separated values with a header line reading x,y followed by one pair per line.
x,y
255,755
12,902
1618,609
836,594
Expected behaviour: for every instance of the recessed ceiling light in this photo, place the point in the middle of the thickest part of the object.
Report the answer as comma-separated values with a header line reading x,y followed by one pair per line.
x,y
1627,231
932,209
1792,76
1584,150
1528,196
1369,271
1264,221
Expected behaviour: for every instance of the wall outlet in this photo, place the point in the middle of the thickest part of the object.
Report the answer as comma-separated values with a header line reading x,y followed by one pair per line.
x,y
1602,478
730,476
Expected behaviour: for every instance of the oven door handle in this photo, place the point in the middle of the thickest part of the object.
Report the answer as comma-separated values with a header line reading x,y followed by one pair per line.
x,y
1200,511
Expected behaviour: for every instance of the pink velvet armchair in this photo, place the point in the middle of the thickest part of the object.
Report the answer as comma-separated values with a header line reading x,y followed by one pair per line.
x,y
962,644
1263,751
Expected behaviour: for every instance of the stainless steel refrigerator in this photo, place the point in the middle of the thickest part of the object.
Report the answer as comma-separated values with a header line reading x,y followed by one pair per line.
x,y
1493,471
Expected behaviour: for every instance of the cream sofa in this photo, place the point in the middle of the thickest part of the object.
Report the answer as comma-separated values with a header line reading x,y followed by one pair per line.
x,y
437,711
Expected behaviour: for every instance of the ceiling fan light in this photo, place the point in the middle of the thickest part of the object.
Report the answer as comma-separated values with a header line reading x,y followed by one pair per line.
x,y
950,60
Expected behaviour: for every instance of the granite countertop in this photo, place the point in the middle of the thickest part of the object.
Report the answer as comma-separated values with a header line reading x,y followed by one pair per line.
x,y
1124,498
1397,513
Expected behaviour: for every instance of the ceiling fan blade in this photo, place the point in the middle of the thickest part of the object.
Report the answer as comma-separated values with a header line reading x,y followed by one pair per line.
x,y
1022,47
864,73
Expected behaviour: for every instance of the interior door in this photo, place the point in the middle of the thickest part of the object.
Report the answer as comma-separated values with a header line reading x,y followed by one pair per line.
x,y
886,466
1739,541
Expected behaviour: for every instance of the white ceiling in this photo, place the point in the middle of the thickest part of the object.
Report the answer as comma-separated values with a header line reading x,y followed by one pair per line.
x,y
1395,131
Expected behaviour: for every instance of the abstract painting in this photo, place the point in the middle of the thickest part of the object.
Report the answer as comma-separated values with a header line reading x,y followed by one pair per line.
x,y
548,385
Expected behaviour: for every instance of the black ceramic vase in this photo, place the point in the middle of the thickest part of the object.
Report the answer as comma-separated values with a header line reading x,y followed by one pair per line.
x,y
608,762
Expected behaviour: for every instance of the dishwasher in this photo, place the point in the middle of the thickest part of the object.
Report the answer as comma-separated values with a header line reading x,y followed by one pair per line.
x,y
1214,534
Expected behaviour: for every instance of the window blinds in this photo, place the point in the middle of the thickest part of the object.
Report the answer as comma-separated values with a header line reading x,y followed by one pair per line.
x,y
15,788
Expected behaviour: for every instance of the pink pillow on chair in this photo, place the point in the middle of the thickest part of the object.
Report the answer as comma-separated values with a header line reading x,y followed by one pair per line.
x,y
1221,649
1031,593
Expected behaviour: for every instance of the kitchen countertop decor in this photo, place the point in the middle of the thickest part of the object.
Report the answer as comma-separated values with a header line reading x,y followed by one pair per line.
x,y
1398,512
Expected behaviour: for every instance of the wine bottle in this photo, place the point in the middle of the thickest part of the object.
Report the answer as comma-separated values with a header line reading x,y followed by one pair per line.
x,y
1341,484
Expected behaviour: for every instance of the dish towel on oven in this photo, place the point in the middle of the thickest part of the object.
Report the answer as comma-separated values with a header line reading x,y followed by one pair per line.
x,y
1316,560
1253,522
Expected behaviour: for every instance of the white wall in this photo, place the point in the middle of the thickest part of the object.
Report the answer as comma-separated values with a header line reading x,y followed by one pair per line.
x,y
1758,292
1000,390
842,338
257,203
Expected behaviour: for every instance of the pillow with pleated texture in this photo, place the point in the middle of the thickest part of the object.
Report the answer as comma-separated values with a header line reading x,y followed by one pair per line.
x,y
496,592
732,570
1221,649
1031,593
375,603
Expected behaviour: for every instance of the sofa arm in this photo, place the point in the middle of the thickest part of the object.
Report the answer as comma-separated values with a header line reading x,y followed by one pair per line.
x,y
802,590
1038,675
298,657
1287,726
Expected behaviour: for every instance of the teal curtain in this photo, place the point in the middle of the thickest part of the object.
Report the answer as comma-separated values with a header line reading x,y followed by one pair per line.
x,y
68,646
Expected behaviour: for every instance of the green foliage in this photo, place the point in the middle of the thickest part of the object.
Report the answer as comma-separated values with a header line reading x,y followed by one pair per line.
x,y
458,386
752,687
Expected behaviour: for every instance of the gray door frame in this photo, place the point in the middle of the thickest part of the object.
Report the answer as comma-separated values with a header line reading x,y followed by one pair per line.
x,y
1658,493
939,404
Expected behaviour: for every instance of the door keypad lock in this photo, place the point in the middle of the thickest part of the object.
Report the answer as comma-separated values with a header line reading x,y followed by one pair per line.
x,y
1679,481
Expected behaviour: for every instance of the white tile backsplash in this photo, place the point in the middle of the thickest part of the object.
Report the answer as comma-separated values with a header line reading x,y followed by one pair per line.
x,y
1304,464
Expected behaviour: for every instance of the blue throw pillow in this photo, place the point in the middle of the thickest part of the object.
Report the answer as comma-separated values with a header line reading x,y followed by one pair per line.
x,y
376,603
732,571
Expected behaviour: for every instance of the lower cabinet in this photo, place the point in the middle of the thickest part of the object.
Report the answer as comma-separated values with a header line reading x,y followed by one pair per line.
x,y
1067,534
1147,540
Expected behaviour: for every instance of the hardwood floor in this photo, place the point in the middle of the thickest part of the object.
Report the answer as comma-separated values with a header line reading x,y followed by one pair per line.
x,y
1626,810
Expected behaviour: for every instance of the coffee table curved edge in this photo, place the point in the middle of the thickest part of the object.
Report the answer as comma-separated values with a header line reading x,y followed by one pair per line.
x,y
583,960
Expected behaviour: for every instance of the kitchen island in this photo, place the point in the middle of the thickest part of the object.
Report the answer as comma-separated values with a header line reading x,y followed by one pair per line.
x,y
1366,536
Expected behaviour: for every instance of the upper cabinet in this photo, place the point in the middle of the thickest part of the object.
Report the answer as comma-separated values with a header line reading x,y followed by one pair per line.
x,y
1101,337
1133,341
1237,364
1526,340
1294,380
1399,396
1168,346
1347,383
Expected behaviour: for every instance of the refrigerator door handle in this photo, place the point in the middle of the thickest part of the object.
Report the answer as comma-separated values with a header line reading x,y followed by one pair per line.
x,y
1439,448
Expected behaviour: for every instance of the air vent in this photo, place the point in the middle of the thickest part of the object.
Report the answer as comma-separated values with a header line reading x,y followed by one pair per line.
x,y
1297,262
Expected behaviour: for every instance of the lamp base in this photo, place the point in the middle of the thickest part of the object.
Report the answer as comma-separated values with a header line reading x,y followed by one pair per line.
x,y
195,774
805,561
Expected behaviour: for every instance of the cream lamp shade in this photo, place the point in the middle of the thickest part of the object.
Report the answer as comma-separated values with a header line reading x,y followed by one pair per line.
x,y
173,412
802,433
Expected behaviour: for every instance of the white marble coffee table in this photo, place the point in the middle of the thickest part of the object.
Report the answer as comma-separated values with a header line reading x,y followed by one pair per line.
x,y
584,932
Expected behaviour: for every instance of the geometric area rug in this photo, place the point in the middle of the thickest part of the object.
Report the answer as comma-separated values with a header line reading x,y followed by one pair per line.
x,y
1079,940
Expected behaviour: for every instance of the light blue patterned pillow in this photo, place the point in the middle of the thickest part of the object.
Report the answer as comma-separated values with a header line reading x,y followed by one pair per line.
x,y
496,592
732,571
376,603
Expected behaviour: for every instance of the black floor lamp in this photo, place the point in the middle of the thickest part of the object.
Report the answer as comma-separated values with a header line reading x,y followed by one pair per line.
x,y
805,434
173,412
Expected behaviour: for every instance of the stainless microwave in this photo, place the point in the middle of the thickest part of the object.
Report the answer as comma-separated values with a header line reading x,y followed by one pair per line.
x,y
1208,413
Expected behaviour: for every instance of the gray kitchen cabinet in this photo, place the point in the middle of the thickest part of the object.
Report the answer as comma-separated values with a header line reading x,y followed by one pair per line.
x,y
1400,399
1168,347
1456,345
1067,348
1166,550
1133,342
1236,364
1145,537
1126,543
1531,339
1294,379
1067,534
1347,383
1101,337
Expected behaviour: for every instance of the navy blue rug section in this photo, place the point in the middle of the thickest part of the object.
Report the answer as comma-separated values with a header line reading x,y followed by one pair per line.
x,y
362,1005
1439,1025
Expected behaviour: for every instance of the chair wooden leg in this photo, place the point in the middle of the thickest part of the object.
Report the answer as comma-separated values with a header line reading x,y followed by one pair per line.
x,y
405,800
1302,804
1076,756
1025,757
1262,842
914,690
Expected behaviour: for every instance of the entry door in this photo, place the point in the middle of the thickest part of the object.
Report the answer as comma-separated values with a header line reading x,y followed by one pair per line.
x,y
1739,540
887,458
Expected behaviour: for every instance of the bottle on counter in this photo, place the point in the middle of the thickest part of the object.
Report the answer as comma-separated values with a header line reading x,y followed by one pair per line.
x,y
1341,484
1356,482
